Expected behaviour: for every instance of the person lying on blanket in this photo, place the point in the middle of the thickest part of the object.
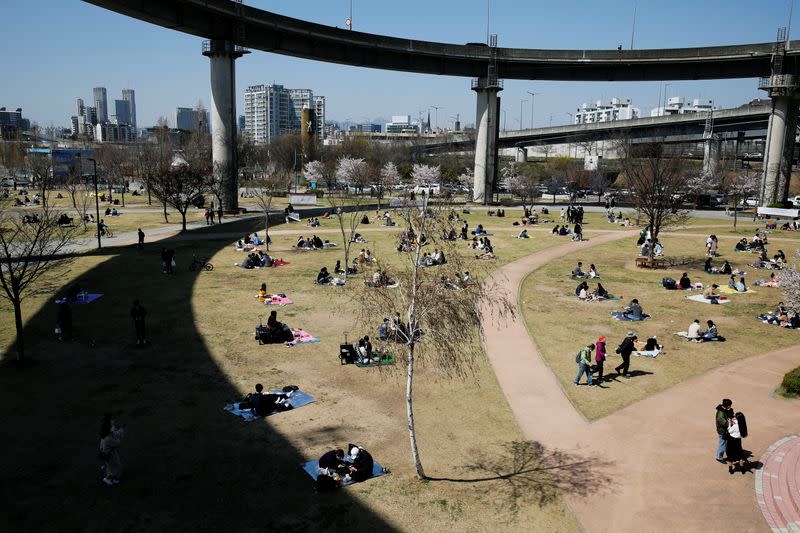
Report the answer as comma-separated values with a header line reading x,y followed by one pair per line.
x,y
266,404
771,282
634,311
651,344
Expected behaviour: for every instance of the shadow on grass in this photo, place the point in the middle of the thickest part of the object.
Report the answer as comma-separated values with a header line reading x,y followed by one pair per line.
x,y
525,472
189,466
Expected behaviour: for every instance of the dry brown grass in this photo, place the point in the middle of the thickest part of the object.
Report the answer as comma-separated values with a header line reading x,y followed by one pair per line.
x,y
192,466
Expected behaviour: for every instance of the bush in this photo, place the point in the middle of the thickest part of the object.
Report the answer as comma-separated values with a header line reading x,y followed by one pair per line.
x,y
781,205
791,382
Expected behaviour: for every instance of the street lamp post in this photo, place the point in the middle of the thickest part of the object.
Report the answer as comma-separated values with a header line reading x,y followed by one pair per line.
x,y
503,111
664,108
96,201
569,144
533,96
521,103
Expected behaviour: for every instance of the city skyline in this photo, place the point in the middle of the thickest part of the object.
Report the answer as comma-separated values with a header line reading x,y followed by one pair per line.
x,y
168,70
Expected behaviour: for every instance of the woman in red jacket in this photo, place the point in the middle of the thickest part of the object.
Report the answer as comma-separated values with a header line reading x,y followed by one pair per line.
x,y
599,358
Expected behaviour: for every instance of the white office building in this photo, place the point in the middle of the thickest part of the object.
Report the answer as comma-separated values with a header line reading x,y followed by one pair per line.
x,y
273,110
606,111
401,124
678,105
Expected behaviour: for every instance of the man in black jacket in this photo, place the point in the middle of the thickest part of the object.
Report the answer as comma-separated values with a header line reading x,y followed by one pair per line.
x,y
625,349
362,463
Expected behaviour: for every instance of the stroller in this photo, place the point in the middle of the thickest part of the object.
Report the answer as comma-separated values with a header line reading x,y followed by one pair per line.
x,y
262,331
347,352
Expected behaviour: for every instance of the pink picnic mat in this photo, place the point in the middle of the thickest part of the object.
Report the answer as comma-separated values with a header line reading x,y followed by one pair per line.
x,y
301,337
278,300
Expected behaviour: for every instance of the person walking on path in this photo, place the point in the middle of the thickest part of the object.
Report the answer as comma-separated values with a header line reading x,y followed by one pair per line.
x,y
625,349
219,214
724,412
578,233
138,314
140,233
110,441
600,358
584,360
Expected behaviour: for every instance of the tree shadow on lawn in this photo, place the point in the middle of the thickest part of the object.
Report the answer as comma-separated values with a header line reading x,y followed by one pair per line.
x,y
189,465
530,472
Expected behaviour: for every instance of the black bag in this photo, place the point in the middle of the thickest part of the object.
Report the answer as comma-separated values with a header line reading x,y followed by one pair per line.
x,y
578,358
669,283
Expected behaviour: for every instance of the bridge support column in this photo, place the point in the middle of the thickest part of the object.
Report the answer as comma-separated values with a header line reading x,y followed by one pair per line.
x,y
711,152
779,148
486,121
522,154
223,56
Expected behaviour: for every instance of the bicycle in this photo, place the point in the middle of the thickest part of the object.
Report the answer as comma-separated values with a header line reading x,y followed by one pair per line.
x,y
200,264
105,233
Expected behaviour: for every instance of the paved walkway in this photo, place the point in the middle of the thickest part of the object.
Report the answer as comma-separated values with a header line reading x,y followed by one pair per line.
x,y
661,449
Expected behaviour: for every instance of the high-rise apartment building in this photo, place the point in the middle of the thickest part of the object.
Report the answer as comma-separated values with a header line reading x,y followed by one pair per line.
x,y
79,107
273,110
101,103
606,111
129,96
122,113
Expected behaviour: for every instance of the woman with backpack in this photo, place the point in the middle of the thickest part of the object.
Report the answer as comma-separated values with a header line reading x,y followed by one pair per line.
x,y
737,430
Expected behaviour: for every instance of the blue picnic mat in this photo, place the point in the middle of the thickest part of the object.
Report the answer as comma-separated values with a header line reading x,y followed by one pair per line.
x,y
298,399
619,316
311,469
77,301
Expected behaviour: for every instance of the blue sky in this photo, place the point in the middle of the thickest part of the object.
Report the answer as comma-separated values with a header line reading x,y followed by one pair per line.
x,y
57,50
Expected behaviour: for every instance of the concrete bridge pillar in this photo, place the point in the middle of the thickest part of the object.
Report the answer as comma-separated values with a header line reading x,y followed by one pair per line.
x,y
712,148
486,121
223,55
522,154
779,148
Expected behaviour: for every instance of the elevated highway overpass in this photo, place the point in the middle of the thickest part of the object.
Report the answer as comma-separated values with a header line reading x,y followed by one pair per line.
x,y
232,28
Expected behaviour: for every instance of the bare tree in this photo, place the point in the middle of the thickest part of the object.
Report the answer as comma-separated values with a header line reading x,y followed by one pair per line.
x,y
436,308
350,172
40,165
740,186
76,185
30,248
789,278
554,185
267,183
525,186
113,161
659,185
186,182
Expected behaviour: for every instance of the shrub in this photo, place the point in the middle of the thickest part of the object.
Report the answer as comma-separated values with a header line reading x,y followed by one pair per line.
x,y
791,382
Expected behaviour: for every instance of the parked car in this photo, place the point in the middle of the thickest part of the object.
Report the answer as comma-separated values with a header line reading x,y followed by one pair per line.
x,y
750,202
795,201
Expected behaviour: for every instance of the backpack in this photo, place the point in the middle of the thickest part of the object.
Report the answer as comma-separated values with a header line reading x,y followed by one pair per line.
x,y
669,283
578,358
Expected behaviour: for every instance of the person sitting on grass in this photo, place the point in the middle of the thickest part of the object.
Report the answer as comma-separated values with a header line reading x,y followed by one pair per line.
x,y
726,268
384,330
324,278
685,283
732,282
365,219
741,246
711,333
563,231
634,311
740,285
577,272
479,230
693,331
593,272
262,293
600,293
582,290
712,293
649,345
463,279
364,348
707,268
555,230
523,234
337,269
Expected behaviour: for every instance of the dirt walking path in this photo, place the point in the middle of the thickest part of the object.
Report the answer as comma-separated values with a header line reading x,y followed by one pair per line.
x,y
660,450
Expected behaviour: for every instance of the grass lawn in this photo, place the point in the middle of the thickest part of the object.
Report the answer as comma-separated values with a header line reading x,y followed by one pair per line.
x,y
190,465
561,324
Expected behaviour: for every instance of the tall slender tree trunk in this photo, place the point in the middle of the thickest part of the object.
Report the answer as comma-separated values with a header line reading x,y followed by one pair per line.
x,y
266,228
735,202
149,197
412,432
183,220
20,331
166,219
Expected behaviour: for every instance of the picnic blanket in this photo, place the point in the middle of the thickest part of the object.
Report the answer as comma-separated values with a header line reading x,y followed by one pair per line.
x,y
311,469
84,299
297,399
728,290
699,298
301,337
649,353
279,262
767,283
293,217
385,359
278,299
685,335
620,316
329,244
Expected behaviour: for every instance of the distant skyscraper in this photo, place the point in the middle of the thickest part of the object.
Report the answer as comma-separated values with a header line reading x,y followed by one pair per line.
x,y
101,103
129,96
319,113
79,108
91,115
122,112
